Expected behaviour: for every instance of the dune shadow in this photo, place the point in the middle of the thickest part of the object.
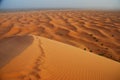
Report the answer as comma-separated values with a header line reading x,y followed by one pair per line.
x,y
13,46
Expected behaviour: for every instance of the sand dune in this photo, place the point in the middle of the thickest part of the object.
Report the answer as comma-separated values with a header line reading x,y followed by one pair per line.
x,y
13,46
93,31
22,65
46,59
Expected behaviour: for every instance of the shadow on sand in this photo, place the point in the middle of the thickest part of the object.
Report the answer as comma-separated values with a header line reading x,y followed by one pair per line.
x,y
13,46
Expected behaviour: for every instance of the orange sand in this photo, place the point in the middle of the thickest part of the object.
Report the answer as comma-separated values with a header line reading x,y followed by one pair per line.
x,y
94,31
26,55
46,59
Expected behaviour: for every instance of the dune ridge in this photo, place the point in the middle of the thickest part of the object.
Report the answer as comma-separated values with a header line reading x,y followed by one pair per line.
x,y
47,59
26,65
93,31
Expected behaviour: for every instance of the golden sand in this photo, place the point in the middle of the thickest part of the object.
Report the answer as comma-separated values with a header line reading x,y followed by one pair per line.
x,y
94,31
25,53
46,59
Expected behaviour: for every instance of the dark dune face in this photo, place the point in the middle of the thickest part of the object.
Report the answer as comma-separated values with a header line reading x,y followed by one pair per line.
x,y
17,44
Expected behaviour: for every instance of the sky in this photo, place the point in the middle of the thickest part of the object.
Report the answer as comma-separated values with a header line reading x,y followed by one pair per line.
x,y
82,4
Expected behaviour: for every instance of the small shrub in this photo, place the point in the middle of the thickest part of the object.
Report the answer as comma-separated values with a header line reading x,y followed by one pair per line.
x,y
101,44
101,54
112,35
91,51
106,48
96,40
85,49
91,34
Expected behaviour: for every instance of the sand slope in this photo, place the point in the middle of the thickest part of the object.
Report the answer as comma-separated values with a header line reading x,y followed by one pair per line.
x,y
93,31
13,46
46,59
24,64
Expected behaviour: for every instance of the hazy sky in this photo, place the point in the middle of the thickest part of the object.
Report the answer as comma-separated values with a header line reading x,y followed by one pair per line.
x,y
88,4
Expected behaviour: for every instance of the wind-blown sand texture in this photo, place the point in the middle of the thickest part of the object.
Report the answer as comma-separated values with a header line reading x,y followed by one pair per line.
x,y
94,31
46,59
26,55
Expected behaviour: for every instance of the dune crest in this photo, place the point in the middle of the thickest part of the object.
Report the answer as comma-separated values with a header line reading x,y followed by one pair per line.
x,y
24,65
46,59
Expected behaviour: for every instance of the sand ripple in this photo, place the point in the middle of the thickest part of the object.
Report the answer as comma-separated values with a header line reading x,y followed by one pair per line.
x,y
94,31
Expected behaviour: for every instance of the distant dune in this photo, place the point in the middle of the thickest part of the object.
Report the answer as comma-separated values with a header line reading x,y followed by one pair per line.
x,y
94,31
47,59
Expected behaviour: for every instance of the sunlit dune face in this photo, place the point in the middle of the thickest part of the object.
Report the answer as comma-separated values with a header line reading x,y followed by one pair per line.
x,y
46,59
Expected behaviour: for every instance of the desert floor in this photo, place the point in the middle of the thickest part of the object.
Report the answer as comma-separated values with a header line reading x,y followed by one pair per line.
x,y
26,55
